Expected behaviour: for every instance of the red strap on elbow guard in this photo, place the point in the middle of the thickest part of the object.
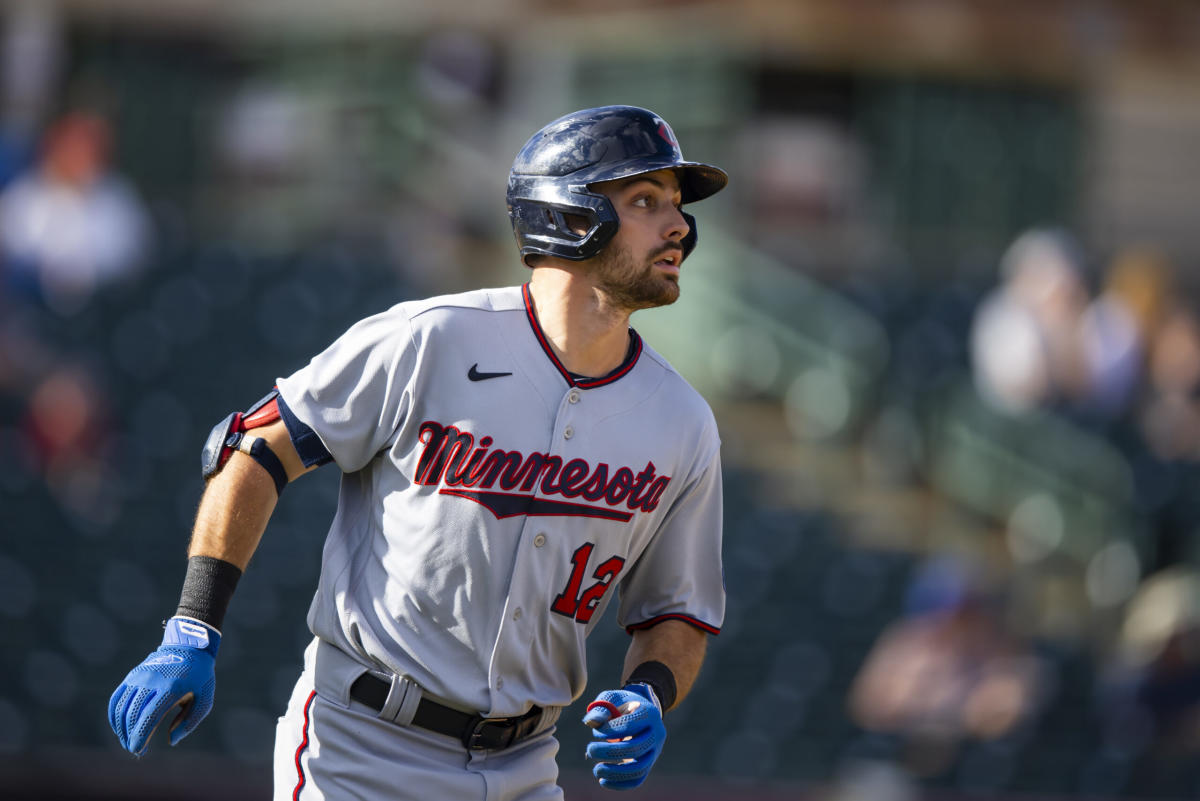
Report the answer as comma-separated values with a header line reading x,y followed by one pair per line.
x,y
217,449
259,416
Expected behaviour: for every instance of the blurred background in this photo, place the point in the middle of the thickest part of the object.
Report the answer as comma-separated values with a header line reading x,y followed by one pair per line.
x,y
946,314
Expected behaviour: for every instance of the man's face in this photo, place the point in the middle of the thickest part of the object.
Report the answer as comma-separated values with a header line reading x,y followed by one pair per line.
x,y
640,267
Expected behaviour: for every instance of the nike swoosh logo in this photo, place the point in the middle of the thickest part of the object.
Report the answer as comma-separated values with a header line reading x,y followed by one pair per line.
x,y
475,375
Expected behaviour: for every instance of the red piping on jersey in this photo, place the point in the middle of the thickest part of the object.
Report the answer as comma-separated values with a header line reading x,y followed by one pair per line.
x,y
654,621
302,748
585,383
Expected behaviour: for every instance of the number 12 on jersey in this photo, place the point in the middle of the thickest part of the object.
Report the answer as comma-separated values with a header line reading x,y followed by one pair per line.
x,y
581,606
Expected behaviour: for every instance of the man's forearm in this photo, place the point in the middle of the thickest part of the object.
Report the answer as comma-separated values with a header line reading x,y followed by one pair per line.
x,y
233,513
239,500
674,643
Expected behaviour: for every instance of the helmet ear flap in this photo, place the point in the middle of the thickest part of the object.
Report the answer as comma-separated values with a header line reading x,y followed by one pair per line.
x,y
576,227
688,243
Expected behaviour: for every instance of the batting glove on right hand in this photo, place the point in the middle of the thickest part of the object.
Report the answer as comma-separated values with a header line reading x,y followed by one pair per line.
x,y
629,731
180,673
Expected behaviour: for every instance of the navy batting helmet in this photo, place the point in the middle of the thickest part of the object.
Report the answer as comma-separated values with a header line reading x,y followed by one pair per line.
x,y
553,174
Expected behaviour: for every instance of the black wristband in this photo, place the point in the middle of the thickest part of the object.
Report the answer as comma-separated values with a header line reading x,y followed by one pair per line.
x,y
660,678
207,589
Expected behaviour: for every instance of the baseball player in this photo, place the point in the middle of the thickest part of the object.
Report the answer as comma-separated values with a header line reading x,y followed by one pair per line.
x,y
512,461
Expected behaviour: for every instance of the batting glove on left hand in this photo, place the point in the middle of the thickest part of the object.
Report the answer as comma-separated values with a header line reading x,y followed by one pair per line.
x,y
629,731
179,674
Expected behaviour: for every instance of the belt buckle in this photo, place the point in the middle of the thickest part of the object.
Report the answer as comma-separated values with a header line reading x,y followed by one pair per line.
x,y
501,730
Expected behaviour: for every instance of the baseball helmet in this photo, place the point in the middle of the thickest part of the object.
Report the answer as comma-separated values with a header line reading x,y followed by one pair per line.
x,y
553,174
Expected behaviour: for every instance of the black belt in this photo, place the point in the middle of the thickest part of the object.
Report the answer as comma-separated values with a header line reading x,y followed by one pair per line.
x,y
474,731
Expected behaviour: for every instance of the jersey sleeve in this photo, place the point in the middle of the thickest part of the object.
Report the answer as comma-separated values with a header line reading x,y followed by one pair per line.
x,y
355,394
680,575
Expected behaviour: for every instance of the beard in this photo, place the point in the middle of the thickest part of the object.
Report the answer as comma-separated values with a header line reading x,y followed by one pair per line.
x,y
632,286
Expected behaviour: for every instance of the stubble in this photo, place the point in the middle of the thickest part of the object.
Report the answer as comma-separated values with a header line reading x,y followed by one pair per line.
x,y
630,285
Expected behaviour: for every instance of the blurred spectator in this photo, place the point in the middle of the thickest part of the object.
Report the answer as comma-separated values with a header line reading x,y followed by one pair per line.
x,y
1150,694
1025,341
806,185
1166,463
1119,327
65,418
71,226
67,432
1169,418
950,669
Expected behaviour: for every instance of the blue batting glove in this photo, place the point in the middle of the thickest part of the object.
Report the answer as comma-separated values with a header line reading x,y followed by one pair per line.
x,y
633,719
179,674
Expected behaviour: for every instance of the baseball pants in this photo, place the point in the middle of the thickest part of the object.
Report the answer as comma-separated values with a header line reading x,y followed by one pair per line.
x,y
329,747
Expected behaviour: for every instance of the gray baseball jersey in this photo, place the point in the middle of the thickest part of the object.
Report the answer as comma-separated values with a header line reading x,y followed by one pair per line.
x,y
492,504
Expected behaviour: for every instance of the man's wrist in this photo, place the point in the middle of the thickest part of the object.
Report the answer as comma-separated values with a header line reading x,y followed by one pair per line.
x,y
207,589
193,634
659,678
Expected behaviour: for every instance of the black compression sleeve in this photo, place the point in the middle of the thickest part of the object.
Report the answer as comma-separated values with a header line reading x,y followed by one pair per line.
x,y
660,678
207,589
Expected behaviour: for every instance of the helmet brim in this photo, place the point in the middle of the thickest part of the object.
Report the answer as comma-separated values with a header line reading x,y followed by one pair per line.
x,y
696,180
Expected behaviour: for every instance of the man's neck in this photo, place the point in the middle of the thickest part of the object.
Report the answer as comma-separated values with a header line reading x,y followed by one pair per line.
x,y
589,335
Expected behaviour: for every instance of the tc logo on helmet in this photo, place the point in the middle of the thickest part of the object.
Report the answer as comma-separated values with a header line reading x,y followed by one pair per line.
x,y
666,133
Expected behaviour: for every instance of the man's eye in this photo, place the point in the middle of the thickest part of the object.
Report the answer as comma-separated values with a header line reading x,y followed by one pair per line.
x,y
643,201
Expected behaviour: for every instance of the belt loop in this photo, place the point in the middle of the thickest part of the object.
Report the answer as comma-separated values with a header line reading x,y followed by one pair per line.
x,y
550,715
401,704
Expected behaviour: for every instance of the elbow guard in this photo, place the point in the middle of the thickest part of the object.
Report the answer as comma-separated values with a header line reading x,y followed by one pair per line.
x,y
232,434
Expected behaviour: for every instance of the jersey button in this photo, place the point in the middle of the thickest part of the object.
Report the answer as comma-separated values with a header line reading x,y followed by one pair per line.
x,y
539,540
499,684
568,432
573,396
517,613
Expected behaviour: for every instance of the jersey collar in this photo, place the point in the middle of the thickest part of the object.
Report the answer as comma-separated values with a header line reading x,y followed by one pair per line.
x,y
631,357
